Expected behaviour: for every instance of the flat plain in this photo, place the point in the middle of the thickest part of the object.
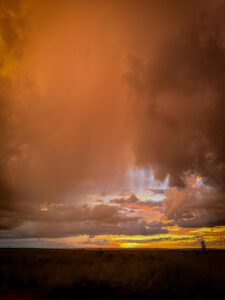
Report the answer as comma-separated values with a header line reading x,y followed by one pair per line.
x,y
36,274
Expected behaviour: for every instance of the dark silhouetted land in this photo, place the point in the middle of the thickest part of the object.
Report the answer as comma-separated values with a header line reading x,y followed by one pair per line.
x,y
27,274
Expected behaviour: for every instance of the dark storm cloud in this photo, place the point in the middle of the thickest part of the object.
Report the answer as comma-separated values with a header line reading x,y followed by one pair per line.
x,y
195,206
180,105
72,138
180,100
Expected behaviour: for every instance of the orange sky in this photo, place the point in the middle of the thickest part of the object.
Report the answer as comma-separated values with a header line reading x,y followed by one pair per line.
x,y
112,127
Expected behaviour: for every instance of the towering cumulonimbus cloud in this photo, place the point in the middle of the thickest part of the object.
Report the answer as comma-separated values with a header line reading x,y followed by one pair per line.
x,y
180,98
89,90
180,103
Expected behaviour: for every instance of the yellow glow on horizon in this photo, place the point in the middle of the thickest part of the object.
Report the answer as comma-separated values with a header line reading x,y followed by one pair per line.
x,y
130,245
176,238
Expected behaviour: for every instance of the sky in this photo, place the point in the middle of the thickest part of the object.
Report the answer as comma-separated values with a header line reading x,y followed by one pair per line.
x,y
112,123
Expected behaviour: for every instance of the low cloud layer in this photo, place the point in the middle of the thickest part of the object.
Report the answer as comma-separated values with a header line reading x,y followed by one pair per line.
x,y
196,205
61,221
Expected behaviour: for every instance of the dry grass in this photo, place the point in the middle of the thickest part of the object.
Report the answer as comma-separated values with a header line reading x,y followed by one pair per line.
x,y
88,274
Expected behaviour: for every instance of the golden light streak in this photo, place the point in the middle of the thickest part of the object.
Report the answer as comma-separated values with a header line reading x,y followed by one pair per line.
x,y
214,238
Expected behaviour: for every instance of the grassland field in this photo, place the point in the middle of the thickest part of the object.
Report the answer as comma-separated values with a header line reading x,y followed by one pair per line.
x,y
41,274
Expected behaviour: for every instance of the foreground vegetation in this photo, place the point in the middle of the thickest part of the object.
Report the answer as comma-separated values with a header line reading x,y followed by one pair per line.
x,y
90,274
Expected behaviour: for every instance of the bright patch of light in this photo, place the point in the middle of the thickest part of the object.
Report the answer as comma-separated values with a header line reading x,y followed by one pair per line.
x,y
143,179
